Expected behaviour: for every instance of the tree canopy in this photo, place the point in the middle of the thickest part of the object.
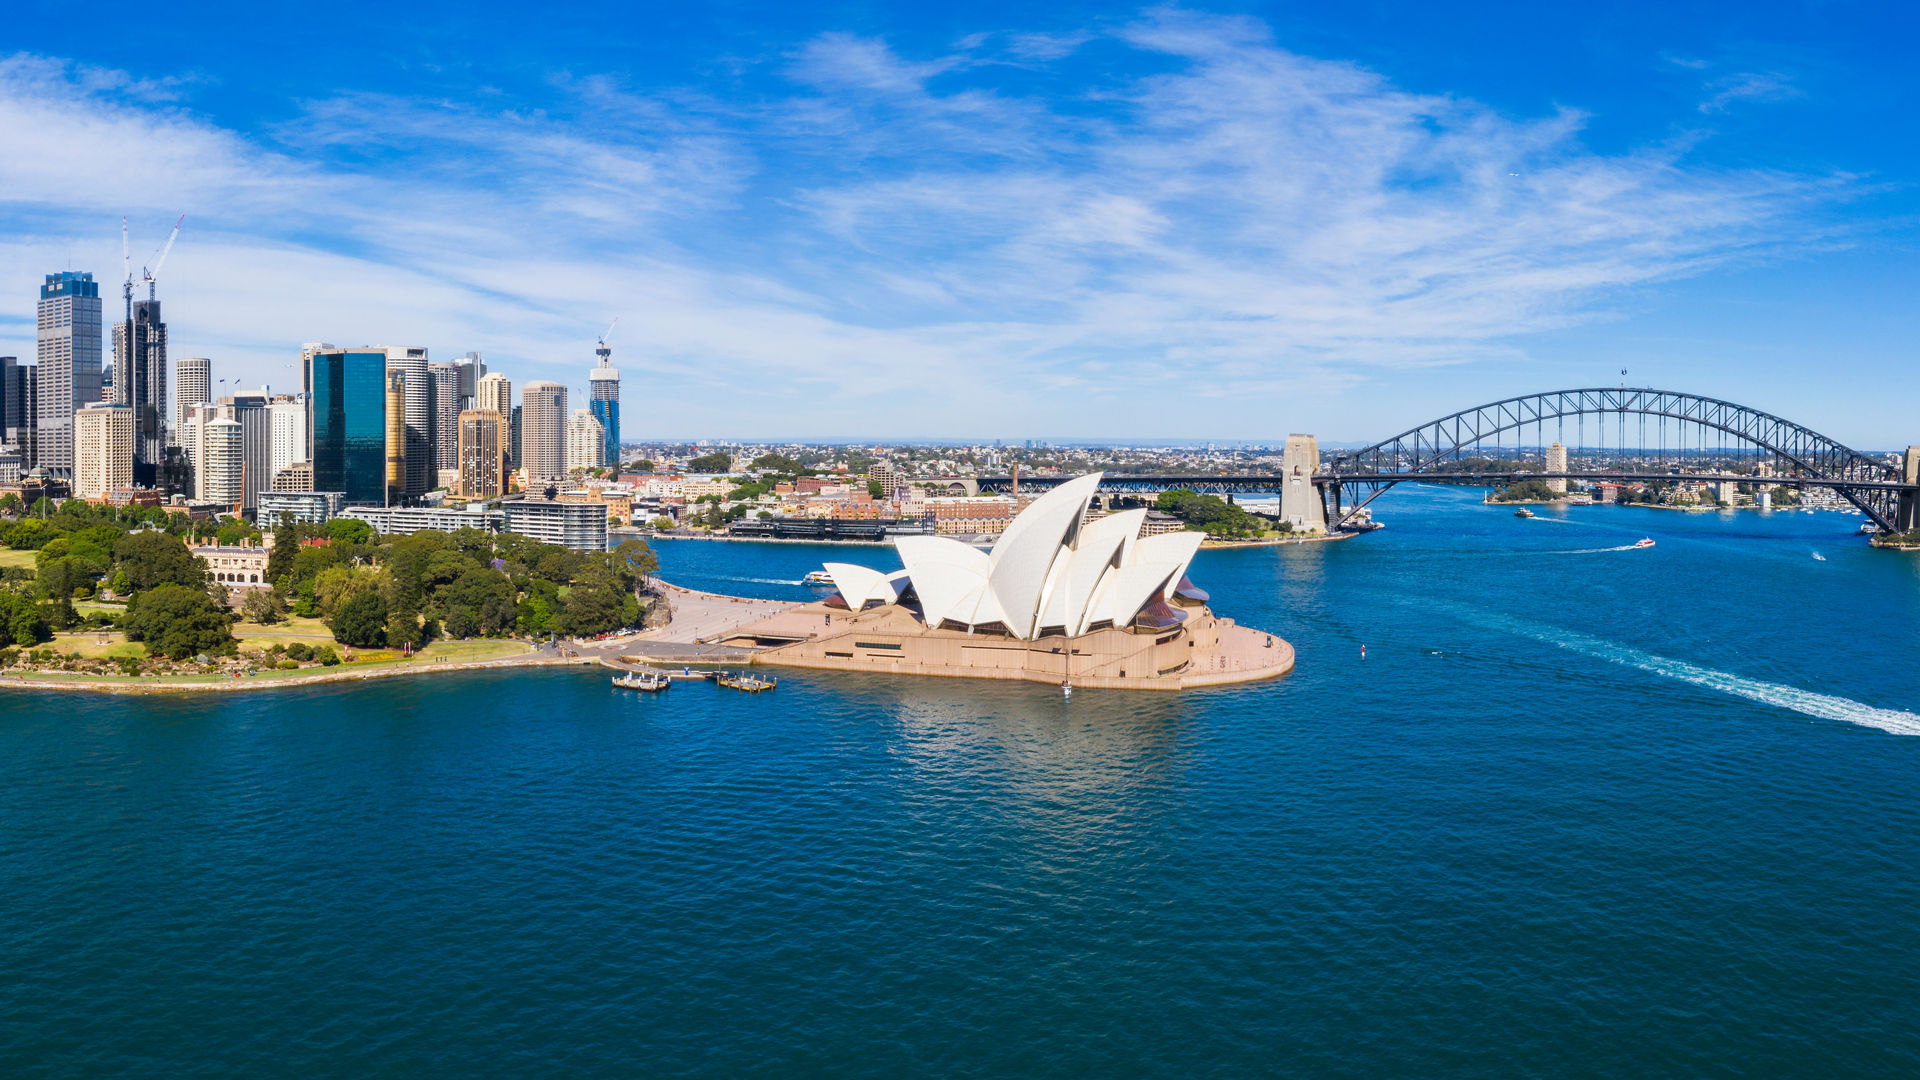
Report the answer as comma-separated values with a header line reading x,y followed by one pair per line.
x,y
178,622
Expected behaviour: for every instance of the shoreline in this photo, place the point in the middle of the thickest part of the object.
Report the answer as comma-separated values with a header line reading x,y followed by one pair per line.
x,y
162,684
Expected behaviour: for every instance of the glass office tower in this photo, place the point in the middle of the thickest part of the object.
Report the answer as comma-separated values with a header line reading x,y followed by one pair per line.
x,y
349,406
603,384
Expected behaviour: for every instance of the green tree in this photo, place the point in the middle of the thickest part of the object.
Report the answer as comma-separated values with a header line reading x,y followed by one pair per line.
x,y
876,489
349,531
178,622
263,606
778,463
22,622
589,610
151,558
716,462
361,620
478,602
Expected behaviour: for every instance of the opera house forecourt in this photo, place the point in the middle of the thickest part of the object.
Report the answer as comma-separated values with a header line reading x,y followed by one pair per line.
x,y
1057,599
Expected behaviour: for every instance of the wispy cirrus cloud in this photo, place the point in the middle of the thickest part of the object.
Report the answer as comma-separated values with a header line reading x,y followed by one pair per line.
x,y
1217,219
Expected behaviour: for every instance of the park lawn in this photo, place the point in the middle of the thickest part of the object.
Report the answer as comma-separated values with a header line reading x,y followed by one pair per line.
x,y
95,644
293,628
22,560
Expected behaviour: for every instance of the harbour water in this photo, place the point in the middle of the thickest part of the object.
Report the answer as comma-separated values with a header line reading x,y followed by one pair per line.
x,y
1580,810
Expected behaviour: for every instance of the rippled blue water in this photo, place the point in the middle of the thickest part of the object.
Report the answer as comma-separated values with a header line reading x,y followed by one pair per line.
x,y
1577,813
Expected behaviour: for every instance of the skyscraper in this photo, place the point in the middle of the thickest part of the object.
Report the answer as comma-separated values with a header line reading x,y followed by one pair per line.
x,y
140,381
603,392
448,402
513,440
347,410
418,450
543,432
192,385
495,392
288,419
222,459
483,454
69,363
103,450
396,434
249,409
16,407
586,442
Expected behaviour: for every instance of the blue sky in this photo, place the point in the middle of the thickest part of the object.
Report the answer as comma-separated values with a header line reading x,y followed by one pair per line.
x,y
996,221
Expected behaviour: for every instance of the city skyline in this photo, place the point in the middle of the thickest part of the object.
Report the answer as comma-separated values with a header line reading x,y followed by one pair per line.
x,y
1152,223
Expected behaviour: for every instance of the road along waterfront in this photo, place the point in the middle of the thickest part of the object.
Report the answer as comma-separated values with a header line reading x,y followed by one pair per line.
x,y
1648,811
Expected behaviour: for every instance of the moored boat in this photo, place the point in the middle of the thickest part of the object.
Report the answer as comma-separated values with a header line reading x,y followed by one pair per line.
x,y
650,681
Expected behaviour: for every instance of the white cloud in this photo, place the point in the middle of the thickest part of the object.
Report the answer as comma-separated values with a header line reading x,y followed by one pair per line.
x,y
900,245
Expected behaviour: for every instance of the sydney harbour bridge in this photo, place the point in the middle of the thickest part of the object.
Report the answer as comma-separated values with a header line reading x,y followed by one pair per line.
x,y
1613,435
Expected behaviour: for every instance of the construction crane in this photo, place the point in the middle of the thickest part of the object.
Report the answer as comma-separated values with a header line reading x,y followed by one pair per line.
x,y
150,276
605,354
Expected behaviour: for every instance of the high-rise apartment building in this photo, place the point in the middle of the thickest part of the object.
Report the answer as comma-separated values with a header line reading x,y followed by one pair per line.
x,y
287,418
69,363
603,393
543,432
417,451
218,475
449,401
347,411
192,385
513,440
103,448
483,454
586,442
140,380
396,435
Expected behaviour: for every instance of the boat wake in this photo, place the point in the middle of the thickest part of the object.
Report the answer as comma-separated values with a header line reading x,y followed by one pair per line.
x,y
759,580
1804,702
1591,551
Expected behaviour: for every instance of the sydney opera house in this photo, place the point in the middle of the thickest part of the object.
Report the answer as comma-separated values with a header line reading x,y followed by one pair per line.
x,y
1058,598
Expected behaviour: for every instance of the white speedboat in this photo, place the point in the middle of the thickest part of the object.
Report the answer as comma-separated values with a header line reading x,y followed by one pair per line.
x,y
1645,541
1817,557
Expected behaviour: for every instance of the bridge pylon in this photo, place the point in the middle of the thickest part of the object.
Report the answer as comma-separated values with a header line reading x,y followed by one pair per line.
x,y
1907,515
1301,503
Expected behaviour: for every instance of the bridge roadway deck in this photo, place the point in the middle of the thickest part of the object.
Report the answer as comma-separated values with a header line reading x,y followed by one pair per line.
x,y
1273,482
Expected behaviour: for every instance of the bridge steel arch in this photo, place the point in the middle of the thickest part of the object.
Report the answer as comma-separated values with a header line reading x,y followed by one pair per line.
x,y
1807,454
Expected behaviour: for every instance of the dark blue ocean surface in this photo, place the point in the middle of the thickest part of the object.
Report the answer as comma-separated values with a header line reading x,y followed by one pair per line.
x,y
1579,812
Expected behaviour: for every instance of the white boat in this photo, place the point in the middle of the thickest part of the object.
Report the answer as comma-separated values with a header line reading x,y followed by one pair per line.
x,y
1645,541
1819,557
818,577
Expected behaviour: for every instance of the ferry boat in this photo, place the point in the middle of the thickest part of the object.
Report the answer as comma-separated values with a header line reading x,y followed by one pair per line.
x,y
650,681
1523,512
1645,541
818,577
